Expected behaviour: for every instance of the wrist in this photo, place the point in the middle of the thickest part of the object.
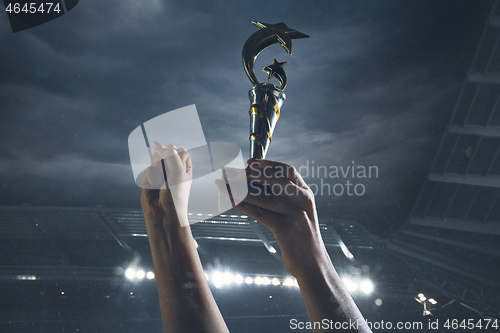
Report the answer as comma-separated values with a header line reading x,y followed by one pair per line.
x,y
162,218
304,253
308,267
316,269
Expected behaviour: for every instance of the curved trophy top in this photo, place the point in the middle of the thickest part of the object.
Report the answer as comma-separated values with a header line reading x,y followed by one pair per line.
x,y
268,35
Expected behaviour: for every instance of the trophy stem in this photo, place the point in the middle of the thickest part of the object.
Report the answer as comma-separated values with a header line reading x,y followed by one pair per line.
x,y
265,104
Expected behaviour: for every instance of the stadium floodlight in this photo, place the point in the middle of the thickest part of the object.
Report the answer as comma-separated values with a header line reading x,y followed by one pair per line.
x,y
238,279
276,282
266,281
130,273
249,280
288,282
140,274
220,279
228,278
150,275
217,279
367,287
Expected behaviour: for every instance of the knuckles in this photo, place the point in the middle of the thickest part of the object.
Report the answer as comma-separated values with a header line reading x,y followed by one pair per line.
x,y
306,197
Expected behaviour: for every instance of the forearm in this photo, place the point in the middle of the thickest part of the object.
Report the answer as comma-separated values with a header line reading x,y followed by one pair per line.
x,y
291,216
186,302
326,297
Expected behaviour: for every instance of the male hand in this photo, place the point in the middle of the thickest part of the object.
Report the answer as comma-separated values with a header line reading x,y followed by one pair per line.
x,y
279,198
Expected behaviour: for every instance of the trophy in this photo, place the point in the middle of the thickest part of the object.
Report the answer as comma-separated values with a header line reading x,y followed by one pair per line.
x,y
265,98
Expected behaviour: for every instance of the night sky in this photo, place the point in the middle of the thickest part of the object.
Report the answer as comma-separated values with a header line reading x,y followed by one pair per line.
x,y
375,84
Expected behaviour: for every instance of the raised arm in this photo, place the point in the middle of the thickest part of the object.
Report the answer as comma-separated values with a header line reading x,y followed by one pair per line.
x,y
186,302
280,199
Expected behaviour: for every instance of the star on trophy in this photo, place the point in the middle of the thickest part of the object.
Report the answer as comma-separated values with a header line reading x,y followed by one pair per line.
x,y
266,98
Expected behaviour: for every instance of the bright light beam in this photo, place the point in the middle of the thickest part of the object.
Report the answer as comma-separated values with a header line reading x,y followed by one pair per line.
x,y
238,279
130,273
367,287
218,279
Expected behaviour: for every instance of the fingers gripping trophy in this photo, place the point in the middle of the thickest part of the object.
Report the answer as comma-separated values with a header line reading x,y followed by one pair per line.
x,y
266,98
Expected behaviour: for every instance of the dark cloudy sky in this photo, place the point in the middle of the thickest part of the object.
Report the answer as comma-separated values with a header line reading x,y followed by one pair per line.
x,y
375,84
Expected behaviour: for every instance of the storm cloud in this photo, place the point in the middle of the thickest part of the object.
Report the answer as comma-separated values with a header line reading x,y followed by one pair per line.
x,y
375,84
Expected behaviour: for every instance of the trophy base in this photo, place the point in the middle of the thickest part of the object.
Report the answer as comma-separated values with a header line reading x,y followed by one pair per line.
x,y
265,105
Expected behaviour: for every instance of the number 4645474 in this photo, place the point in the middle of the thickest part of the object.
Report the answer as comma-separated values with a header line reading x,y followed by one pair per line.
x,y
477,324
33,7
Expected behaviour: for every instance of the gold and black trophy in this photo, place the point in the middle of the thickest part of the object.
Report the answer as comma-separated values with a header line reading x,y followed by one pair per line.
x,y
266,98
